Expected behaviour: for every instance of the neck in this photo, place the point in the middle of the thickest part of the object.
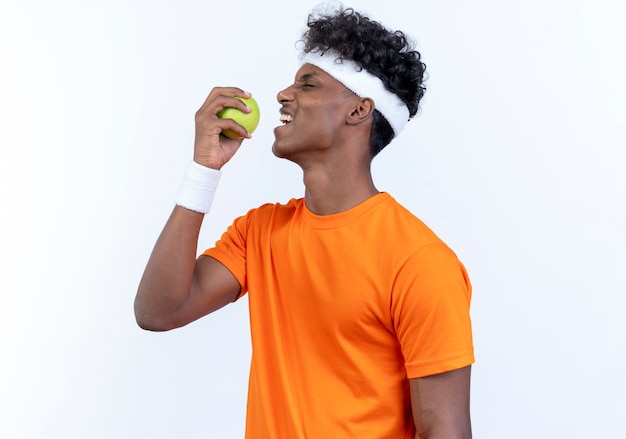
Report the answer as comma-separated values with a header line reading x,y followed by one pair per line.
x,y
335,189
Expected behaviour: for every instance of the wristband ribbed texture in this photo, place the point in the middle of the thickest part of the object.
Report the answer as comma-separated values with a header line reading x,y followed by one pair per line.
x,y
197,189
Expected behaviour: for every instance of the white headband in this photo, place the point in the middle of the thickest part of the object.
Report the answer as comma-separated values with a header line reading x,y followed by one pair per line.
x,y
364,84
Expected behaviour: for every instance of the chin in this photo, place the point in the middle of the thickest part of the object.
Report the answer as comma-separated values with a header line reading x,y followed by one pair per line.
x,y
276,151
282,153
279,149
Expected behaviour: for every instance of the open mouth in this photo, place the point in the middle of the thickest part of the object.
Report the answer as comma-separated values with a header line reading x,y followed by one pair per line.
x,y
286,118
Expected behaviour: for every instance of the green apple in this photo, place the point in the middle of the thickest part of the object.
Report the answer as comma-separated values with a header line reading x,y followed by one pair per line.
x,y
247,120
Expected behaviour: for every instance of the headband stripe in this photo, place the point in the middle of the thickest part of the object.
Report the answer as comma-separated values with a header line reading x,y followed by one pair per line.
x,y
364,84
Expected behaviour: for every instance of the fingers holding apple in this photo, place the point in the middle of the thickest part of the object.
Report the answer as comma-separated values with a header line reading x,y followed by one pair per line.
x,y
211,148
248,119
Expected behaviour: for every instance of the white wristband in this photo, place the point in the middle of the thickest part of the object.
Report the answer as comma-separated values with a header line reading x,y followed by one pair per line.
x,y
198,187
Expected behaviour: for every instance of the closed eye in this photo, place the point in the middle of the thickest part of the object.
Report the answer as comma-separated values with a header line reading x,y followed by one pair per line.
x,y
305,80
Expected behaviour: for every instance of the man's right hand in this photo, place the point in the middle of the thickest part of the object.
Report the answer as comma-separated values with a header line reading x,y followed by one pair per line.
x,y
176,288
211,149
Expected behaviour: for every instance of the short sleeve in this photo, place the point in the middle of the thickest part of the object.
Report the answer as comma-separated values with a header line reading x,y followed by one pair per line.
x,y
230,250
430,310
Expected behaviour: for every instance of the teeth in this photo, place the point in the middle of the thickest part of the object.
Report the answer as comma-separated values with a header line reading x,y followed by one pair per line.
x,y
286,118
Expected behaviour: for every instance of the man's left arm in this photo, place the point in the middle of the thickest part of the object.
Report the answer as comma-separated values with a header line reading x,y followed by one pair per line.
x,y
441,405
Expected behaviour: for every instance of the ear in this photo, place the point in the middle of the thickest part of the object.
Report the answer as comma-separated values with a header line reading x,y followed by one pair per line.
x,y
362,112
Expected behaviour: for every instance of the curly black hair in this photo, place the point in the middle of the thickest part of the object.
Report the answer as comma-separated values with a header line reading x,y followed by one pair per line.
x,y
389,55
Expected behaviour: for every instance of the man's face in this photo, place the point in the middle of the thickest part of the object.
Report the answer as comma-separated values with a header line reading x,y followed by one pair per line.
x,y
314,112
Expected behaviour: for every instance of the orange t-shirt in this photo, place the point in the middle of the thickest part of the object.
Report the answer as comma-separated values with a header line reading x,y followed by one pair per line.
x,y
344,309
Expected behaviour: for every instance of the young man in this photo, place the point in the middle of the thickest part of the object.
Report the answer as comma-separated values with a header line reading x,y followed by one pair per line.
x,y
359,313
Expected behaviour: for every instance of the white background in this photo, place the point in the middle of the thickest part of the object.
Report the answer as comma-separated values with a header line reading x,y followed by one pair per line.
x,y
516,160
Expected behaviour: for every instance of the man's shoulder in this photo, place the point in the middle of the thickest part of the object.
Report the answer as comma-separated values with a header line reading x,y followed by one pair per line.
x,y
399,213
270,212
405,227
280,207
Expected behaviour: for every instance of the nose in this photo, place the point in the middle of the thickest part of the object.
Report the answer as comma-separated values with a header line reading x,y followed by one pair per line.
x,y
285,95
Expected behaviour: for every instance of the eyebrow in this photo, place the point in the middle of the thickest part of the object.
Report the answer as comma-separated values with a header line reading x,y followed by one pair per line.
x,y
307,76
